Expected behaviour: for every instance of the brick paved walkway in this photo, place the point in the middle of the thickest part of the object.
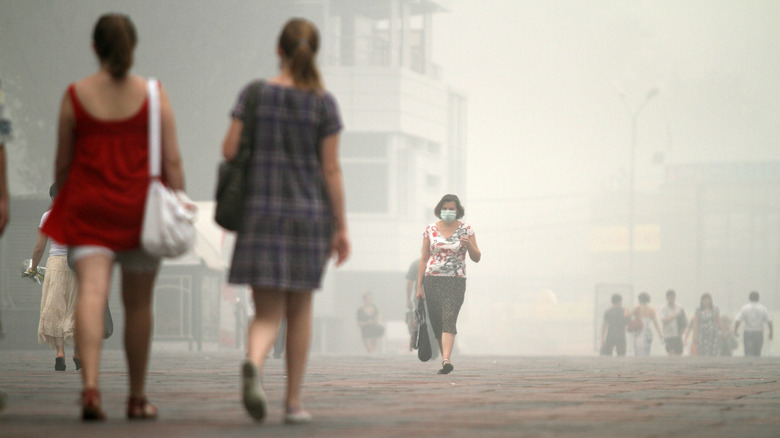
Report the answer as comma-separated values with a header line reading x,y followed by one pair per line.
x,y
398,396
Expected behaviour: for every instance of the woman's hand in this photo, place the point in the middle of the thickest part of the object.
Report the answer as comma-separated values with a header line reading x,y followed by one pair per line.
x,y
340,246
464,241
420,295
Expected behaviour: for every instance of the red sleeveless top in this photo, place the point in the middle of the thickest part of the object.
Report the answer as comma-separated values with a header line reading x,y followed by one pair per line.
x,y
102,200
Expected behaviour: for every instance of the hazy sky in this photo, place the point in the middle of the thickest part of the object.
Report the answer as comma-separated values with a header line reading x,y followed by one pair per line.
x,y
544,79
546,119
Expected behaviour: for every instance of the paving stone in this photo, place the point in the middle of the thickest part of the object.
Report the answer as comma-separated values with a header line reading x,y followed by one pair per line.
x,y
398,396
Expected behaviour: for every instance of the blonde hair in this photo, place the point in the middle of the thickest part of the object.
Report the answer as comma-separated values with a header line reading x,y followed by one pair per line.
x,y
299,42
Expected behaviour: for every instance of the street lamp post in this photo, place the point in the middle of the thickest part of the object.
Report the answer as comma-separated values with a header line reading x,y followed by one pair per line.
x,y
634,114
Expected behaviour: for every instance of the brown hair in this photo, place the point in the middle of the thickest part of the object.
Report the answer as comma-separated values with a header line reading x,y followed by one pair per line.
x,y
299,42
114,38
459,211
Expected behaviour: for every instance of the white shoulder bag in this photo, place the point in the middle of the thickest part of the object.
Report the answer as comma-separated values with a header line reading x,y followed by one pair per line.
x,y
169,216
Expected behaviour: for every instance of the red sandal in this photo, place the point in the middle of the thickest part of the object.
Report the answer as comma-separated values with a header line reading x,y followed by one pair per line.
x,y
139,408
90,405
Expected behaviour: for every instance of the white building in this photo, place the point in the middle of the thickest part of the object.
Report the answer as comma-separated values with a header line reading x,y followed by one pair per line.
x,y
403,147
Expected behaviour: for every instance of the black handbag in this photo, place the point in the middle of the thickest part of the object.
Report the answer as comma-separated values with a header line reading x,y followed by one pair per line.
x,y
423,342
232,175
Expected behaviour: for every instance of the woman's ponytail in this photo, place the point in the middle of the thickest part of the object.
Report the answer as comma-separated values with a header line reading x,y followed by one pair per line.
x,y
299,43
114,38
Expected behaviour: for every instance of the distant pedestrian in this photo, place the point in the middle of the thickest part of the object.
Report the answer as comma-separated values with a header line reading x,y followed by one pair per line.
x,y
730,342
441,276
708,329
295,217
674,323
613,329
755,316
645,316
370,322
57,321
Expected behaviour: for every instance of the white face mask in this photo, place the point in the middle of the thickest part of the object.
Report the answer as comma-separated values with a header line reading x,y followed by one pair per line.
x,y
447,215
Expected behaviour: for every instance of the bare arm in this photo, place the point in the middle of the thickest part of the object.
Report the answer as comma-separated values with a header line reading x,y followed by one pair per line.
x,y
604,325
3,191
426,254
736,327
232,139
331,170
694,329
657,326
40,247
409,286
471,245
172,169
65,141
771,329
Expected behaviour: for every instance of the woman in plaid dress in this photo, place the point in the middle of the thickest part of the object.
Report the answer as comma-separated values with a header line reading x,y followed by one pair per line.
x,y
295,217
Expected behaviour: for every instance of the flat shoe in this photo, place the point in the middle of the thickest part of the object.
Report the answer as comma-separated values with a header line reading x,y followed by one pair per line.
x,y
59,364
252,393
297,416
90,406
446,367
77,361
139,408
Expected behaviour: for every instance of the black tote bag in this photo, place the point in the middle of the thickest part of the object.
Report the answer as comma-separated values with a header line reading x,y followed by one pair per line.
x,y
232,175
423,341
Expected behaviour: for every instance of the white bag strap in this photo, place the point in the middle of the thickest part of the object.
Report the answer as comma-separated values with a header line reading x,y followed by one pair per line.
x,y
155,156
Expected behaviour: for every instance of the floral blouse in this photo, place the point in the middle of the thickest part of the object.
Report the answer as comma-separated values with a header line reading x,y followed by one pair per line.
x,y
448,255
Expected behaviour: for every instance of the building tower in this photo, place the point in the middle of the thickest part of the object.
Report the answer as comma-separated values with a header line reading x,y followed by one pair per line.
x,y
403,147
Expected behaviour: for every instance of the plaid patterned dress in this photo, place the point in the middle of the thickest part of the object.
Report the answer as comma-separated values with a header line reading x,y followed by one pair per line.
x,y
284,240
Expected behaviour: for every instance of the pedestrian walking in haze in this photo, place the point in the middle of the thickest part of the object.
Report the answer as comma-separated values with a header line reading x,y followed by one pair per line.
x,y
102,171
58,296
674,324
754,316
613,329
441,275
708,329
295,217
643,337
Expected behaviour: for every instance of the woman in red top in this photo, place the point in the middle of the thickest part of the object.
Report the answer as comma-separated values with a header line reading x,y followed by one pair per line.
x,y
102,169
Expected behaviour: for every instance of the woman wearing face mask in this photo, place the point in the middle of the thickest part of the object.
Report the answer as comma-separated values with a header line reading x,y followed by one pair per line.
x,y
441,277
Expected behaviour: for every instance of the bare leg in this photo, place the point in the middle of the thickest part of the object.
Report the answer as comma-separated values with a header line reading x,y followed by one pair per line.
x,y
447,342
94,276
263,329
137,289
367,342
60,350
299,321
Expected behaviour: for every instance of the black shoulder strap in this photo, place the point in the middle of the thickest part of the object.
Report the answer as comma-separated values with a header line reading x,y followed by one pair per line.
x,y
250,112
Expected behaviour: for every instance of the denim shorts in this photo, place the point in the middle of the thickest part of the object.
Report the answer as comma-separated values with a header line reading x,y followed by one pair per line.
x,y
133,260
